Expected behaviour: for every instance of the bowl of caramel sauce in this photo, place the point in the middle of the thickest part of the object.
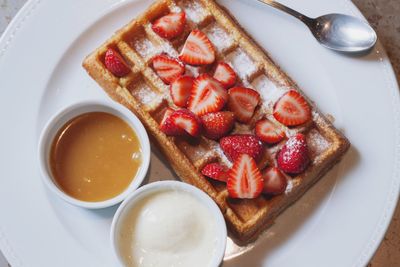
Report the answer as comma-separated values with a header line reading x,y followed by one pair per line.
x,y
93,154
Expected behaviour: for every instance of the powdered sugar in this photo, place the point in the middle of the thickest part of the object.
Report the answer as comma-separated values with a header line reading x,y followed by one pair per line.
x,y
168,48
144,47
292,147
222,156
147,48
176,9
143,93
316,142
289,186
268,90
218,36
194,10
242,63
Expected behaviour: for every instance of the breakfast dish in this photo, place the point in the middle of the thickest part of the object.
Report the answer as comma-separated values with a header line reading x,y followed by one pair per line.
x,y
306,234
226,117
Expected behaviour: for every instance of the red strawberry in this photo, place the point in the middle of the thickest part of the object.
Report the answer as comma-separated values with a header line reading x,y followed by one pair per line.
x,y
115,63
207,95
187,121
167,68
167,113
268,132
180,90
293,157
170,26
244,179
198,49
225,75
243,101
292,109
167,126
275,182
217,124
235,145
215,171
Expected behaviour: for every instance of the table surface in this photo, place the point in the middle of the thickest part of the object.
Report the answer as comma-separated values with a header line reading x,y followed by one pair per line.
x,y
383,16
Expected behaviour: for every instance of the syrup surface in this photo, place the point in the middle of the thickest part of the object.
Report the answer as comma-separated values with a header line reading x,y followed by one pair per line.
x,y
95,156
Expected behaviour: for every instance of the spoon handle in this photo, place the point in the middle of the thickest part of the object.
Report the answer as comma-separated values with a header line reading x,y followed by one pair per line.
x,y
308,21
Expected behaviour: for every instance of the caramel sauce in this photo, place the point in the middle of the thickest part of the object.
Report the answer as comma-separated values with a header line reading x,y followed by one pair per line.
x,y
95,156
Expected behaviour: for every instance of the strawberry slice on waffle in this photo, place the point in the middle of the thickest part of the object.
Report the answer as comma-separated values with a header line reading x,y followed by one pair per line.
x,y
244,179
207,95
197,50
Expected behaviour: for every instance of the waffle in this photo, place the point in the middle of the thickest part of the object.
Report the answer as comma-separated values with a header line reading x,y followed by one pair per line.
x,y
143,92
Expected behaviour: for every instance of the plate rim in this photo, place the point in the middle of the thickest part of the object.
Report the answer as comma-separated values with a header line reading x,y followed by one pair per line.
x,y
376,236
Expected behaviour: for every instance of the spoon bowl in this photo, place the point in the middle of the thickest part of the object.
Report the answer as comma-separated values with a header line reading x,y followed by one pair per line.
x,y
335,31
343,33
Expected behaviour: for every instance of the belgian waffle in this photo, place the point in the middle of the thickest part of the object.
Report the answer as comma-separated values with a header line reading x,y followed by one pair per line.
x,y
144,93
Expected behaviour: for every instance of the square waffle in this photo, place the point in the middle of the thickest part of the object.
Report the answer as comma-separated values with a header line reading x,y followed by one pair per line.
x,y
145,94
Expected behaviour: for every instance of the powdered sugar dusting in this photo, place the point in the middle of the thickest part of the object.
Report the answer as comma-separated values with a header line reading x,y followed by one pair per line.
x,y
147,48
168,48
218,36
194,152
144,94
242,63
292,147
176,9
222,156
194,10
144,47
289,186
268,90
316,142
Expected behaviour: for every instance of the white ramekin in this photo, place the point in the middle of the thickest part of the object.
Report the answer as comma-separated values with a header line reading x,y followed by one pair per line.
x,y
56,122
144,191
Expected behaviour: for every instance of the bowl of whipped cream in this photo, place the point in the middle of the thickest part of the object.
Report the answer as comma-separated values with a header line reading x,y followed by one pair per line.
x,y
168,223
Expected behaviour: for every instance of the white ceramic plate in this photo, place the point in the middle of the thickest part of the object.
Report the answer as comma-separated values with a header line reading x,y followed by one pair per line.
x,y
339,222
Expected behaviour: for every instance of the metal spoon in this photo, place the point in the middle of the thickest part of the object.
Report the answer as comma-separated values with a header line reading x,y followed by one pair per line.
x,y
335,31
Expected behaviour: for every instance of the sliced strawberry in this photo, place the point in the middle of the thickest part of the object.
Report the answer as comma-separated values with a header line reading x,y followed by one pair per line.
x,y
293,158
225,75
167,113
187,121
215,171
235,145
269,132
180,90
244,179
168,127
170,26
207,95
217,124
198,49
292,109
115,63
275,182
243,101
167,68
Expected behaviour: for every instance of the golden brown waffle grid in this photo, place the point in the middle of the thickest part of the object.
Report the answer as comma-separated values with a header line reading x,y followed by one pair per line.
x,y
143,92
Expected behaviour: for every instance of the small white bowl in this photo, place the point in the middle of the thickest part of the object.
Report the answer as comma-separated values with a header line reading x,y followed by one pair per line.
x,y
151,188
70,112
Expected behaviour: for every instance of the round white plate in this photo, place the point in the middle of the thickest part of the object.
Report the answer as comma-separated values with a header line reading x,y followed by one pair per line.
x,y
339,222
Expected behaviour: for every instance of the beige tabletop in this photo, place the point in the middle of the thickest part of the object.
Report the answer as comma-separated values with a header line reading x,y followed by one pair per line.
x,y
384,15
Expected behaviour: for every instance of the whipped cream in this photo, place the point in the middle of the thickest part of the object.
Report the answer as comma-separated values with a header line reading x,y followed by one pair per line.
x,y
169,228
